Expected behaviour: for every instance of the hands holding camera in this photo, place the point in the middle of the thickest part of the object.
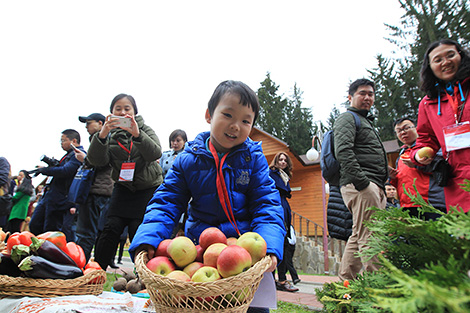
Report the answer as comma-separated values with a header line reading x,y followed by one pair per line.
x,y
126,122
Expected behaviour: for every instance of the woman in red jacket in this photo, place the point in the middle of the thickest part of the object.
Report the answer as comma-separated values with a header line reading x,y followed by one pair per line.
x,y
444,115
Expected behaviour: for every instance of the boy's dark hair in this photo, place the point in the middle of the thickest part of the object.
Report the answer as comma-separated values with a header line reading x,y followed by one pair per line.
x,y
360,82
176,133
72,134
247,96
428,80
119,97
401,120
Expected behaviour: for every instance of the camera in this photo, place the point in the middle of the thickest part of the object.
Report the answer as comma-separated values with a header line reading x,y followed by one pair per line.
x,y
49,161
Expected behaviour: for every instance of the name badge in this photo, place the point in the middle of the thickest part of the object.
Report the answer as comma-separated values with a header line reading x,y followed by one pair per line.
x,y
457,136
127,171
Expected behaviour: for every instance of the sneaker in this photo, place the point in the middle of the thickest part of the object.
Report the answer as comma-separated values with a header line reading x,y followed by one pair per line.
x,y
119,262
286,286
296,281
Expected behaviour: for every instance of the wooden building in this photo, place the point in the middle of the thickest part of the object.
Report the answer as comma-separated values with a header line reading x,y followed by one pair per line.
x,y
307,197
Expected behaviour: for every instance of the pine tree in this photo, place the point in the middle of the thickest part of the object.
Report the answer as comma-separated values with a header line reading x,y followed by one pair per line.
x,y
426,265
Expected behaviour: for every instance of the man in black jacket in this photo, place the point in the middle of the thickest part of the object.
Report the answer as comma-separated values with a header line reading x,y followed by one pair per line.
x,y
51,212
96,204
364,171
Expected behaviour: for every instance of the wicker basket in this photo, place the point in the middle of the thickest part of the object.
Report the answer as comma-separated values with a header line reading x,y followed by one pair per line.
x,y
233,294
89,284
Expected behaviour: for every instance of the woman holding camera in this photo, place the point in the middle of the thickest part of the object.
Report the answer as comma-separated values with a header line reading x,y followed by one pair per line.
x,y
444,115
132,149
23,194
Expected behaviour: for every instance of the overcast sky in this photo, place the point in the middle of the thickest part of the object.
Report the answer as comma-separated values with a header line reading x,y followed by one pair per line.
x,y
62,59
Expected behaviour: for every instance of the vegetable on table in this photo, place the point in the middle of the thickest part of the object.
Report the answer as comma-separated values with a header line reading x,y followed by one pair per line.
x,y
38,267
8,267
56,237
76,253
51,252
23,238
19,252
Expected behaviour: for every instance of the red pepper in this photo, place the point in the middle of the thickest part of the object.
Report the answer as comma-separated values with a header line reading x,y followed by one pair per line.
x,y
56,237
97,280
23,238
93,264
75,252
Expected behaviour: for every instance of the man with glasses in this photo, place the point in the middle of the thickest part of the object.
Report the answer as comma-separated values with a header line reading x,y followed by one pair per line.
x,y
406,172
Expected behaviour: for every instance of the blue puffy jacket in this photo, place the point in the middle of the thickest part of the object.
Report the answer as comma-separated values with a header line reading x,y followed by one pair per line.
x,y
254,198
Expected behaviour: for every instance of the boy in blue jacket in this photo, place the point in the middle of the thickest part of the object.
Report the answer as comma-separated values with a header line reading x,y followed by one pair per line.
x,y
224,152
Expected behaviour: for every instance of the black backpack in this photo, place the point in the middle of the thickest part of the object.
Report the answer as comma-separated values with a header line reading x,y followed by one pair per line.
x,y
329,165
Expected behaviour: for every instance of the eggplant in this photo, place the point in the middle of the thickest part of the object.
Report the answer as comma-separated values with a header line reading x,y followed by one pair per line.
x,y
8,267
19,252
36,266
50,252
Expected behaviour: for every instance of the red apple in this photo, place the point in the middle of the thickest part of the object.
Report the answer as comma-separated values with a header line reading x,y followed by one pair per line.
x,y
206,274
210,236
233,260
162,247
179,275
161,265
254,244
231,241
212,253
190,269
425,152
200,253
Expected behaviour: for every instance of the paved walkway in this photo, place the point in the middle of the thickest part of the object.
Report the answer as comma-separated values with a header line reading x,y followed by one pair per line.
x,y
305,296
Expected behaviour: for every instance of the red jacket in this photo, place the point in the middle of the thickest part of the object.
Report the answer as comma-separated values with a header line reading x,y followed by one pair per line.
x,y
430,131
425,184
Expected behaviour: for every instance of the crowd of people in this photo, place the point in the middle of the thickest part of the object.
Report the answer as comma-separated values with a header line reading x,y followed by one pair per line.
x,y
144,194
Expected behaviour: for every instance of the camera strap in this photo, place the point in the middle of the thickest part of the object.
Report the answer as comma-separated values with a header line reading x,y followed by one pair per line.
x,y
222,188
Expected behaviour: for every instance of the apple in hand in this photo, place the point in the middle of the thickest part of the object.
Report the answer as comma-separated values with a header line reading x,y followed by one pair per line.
x,y
210,236
162,247
212,253
425,152
161,265
206,274
233,260
182,251
254,244
190,269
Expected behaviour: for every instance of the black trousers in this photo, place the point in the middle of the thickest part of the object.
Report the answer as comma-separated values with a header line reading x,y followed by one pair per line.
x,y
286,263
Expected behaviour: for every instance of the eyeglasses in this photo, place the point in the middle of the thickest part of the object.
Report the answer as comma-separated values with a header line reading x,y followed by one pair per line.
x,y
404,129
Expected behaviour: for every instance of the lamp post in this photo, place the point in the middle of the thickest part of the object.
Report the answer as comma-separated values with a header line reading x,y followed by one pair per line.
x,y
313,155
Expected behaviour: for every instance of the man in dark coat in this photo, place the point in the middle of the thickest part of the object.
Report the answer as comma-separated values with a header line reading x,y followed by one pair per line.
x,y
364,171
54,206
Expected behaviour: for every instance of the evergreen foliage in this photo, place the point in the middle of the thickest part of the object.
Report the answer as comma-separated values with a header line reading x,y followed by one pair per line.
x,y
425,265
285,118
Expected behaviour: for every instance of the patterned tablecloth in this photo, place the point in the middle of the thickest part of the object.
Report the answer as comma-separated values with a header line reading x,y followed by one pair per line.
x,y
105,302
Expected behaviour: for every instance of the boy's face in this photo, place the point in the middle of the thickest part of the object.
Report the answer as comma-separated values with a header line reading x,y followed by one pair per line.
x,y
231,123
65,143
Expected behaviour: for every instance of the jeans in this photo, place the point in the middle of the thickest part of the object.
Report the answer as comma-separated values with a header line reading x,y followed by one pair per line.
x,y
44,219
87,226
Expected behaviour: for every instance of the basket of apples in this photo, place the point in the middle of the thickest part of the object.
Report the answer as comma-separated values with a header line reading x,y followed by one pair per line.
x,y
218,275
